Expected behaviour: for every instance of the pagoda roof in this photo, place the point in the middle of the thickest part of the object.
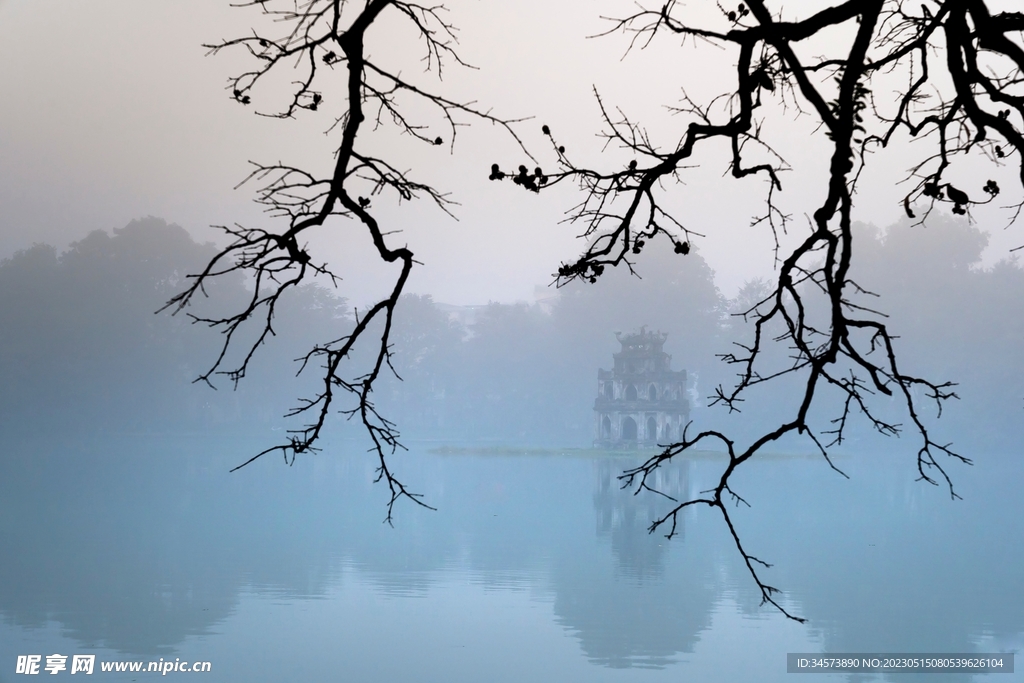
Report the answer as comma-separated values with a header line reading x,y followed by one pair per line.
x,y
642,340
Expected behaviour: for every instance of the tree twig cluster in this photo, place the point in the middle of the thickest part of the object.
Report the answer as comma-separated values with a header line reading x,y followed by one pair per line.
x,y
324,46
956,69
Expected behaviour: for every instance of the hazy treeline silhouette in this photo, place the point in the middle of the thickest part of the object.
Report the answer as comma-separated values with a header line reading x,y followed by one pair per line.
x,y
956,321
953,320
523,374
81,348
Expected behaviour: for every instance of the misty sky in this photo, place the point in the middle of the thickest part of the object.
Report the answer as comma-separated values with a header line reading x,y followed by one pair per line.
x,y
110,111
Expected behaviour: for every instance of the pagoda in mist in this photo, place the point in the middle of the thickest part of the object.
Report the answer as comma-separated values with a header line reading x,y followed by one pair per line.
x,y
641,402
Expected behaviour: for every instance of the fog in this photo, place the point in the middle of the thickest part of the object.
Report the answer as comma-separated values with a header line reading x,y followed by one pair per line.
x,y
112,112
83,348
124,534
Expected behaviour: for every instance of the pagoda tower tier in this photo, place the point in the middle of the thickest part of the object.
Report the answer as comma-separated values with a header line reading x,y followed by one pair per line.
x,y
641,402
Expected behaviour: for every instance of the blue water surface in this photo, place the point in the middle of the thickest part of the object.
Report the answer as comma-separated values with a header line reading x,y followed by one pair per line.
x,y
534,567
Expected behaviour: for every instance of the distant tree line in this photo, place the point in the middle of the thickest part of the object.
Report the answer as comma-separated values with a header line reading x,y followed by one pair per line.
x,y
953,320
528,373
81,348
956,321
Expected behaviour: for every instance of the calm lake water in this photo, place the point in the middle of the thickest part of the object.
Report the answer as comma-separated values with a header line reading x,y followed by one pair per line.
x,y
534,567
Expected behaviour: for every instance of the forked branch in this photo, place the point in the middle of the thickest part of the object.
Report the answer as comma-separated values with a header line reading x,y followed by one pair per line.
x,y
322,47
957,70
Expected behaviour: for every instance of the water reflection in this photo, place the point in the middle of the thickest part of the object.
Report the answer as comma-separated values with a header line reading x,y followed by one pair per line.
x,y
898,566
624,517
139,549
636,610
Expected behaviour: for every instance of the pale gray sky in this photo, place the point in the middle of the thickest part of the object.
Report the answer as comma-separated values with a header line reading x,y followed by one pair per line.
x,y
110,111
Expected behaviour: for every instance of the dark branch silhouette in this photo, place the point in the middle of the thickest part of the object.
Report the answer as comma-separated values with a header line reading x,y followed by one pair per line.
x,y
318,44
957,70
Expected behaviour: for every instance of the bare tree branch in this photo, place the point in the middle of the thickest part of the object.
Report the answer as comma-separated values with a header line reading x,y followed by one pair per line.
x,y
957,66
319,43
960,92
